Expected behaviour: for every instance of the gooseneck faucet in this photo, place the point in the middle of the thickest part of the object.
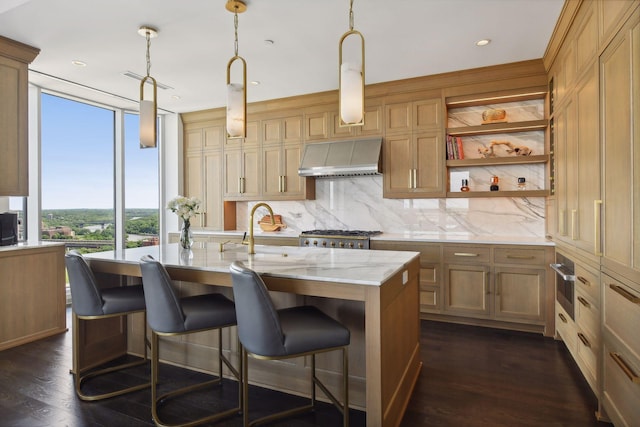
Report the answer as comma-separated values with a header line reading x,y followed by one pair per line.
x,y
273,222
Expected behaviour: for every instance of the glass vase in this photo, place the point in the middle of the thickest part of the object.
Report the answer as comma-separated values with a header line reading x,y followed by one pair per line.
x,y
186,236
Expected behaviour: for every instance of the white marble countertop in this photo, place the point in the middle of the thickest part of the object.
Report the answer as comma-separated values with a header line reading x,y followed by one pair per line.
x,y
409,236
358,267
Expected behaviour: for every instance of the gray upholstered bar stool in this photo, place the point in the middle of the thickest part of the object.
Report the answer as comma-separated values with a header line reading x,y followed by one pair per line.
x,y
89,302
169,315
267,333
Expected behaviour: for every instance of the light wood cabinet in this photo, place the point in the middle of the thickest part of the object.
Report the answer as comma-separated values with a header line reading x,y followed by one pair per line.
x,y
430,270
619,109
467,290
519,294
14,131
621,355
577,157
203,171
414,165
32,293
241,174
281,155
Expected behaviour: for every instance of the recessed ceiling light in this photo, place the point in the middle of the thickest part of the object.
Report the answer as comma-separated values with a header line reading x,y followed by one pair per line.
x,y
269,42
79,63
255,82
483,42
176,97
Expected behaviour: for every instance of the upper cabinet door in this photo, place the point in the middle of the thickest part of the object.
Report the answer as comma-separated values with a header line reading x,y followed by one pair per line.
x,y
14,130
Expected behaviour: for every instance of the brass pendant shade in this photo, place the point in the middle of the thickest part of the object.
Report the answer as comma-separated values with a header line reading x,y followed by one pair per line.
x,y
351,79
236,91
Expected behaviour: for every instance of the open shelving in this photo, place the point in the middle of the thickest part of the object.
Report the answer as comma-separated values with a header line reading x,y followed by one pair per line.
x,y
524,125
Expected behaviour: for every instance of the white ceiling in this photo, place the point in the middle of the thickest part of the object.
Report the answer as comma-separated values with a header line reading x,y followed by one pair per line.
x,y
404,38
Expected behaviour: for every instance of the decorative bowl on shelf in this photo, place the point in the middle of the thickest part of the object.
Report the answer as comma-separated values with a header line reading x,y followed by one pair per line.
x,y
265,223
494,115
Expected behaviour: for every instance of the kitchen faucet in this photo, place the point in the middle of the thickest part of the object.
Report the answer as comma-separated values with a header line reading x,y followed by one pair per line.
x,y
273,222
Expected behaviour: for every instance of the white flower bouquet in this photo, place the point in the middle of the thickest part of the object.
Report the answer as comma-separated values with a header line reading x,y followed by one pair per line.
x,y
185,207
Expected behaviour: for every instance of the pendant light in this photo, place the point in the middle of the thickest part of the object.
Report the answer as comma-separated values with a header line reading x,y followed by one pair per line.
x,y
351,80
148,109
236,92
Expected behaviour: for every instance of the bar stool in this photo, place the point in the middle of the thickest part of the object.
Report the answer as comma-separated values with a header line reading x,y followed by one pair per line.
x,y
169,315
267,333
89,302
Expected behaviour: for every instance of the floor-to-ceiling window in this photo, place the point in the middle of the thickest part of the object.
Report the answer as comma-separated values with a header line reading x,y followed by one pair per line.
x,y
80,187
77,173
141,187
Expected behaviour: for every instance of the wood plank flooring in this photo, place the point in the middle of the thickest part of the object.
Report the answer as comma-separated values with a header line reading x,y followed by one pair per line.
x,y
472,377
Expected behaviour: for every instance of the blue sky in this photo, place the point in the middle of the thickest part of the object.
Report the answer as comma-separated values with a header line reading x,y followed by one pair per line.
x,y
78,158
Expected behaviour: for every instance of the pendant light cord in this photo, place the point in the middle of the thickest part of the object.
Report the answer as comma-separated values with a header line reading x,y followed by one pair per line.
x,y
235,25
351,15
148,54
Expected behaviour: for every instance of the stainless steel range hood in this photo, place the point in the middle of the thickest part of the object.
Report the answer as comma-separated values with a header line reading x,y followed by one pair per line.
x,y
353,157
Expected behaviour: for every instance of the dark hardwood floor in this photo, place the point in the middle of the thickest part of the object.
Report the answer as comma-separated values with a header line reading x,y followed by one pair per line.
x,y
472,377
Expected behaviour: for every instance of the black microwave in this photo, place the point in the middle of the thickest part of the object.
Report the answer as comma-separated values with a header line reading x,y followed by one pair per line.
x,y
8,229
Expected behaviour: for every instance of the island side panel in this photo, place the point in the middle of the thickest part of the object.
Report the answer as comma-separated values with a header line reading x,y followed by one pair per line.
x,y
393,345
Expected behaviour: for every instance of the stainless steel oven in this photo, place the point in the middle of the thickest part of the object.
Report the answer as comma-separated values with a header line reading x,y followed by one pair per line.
x,y
565,283
348,239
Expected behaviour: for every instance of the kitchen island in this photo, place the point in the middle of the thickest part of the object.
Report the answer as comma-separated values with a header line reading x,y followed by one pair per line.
x,y
374,293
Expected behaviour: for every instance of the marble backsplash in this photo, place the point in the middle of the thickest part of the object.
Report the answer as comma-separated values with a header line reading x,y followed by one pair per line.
x,y
357,203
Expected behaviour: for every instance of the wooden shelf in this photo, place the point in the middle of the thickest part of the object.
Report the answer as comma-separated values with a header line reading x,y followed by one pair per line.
x,y
508,127
492,161
472,194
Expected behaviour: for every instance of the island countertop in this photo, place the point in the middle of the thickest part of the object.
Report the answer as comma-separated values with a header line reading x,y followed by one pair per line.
x,y
357,267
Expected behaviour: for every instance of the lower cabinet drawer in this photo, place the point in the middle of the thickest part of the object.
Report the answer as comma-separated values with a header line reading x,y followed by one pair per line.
x,y
587,316
621,386
587,350
565,328
622,312
430,300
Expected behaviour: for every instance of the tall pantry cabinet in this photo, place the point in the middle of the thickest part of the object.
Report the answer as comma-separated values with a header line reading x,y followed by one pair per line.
x,y
620,112
594,108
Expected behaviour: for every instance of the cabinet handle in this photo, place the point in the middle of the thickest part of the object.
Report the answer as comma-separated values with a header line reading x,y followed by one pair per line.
x,y
240,185
584,302
626,294
415,178
584,281
561,316
464,254
410,178
596,224
279,183
243,185
625,368
574,214
520,257
584,340
284,183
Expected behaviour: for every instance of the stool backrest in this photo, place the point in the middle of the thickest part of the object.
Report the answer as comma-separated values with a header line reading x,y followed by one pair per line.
x,y
259,326
164,312
86,299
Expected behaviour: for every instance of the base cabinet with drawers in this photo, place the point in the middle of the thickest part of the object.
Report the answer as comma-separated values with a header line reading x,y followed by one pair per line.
x,y
621,355
496,285
581,334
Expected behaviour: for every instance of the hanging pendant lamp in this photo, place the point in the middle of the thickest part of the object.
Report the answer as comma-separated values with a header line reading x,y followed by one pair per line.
x,y
351,80
236,92
148,109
